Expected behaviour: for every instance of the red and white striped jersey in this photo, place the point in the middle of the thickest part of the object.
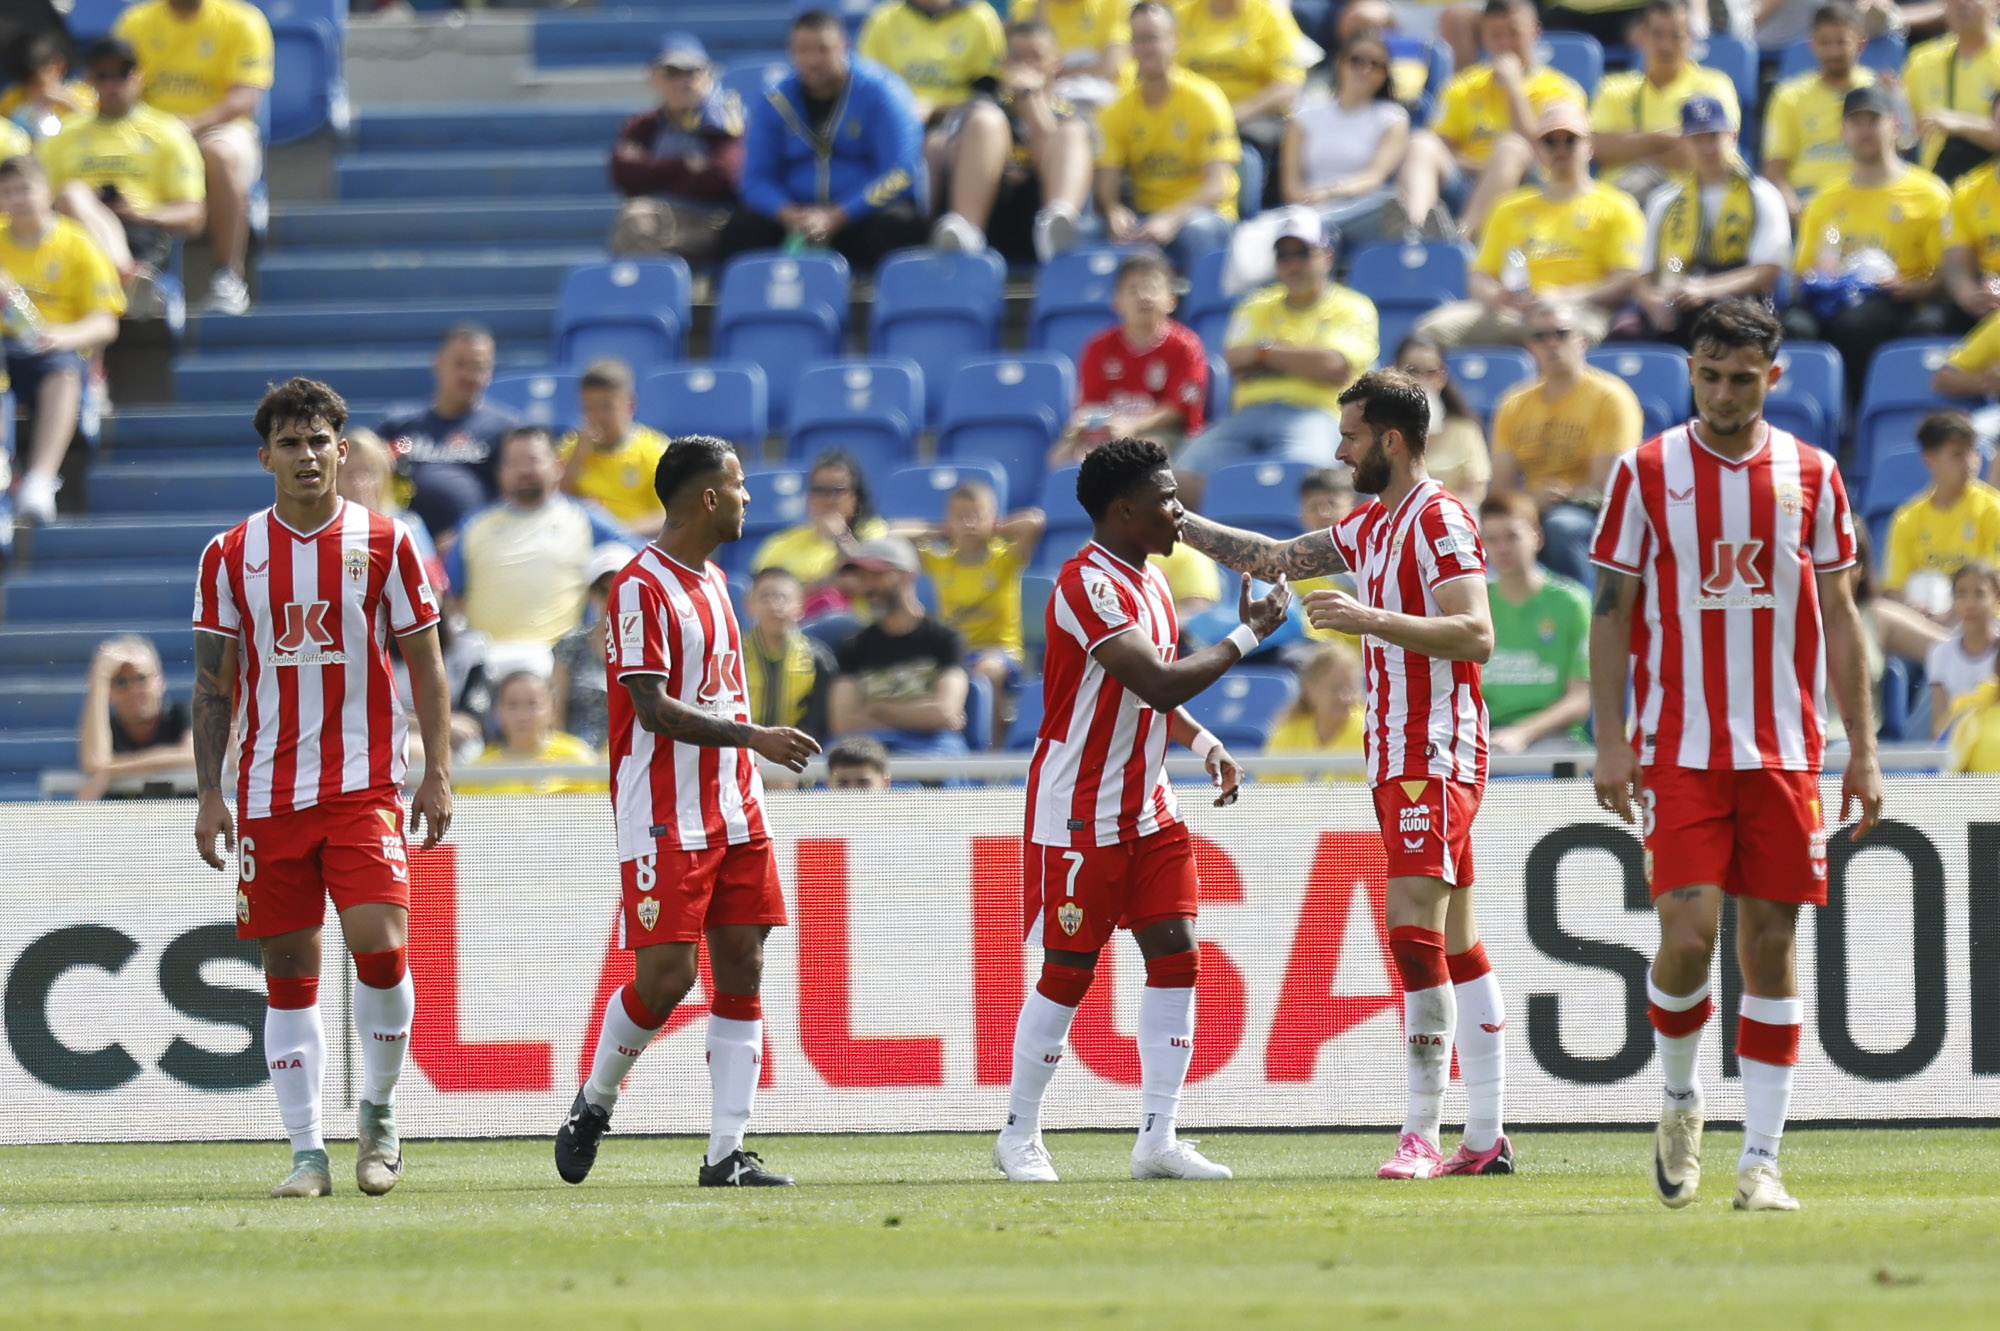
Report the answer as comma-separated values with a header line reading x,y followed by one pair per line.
x,y
667,619
317,714
1099,773
1728,670
1425,714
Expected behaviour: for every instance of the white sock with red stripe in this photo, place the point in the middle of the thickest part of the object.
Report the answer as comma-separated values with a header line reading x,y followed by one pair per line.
x,y
1767,1049
1481,1038
295,1048
624,1037
384,1002
735,1057
1038,1045
1678,1021
1166,1045
1430,1011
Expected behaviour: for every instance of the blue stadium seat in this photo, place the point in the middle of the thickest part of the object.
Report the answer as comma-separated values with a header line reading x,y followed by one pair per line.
x,y
777,501
1884,54
1242,706
1220,387
1035,592
1405,275
308,92
540,397
727,399
872,408
1896,476
1737,58
1069,526
1576,54
1027,715
1896,395
92,18
1391,328
920,492
1073,300
1658,377
1009,409
1811,394
1262,496
937,309
331,12
981,707
1205,308
636,310
783,311
1484,374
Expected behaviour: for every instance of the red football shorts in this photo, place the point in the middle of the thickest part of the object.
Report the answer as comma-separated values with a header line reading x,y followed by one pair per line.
x,y
1082,895
1753,834
350,849
1426,824
674,896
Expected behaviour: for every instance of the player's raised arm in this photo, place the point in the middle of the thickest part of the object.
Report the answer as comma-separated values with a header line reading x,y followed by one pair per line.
x,y
662,714
214,704
1310,556
1164,685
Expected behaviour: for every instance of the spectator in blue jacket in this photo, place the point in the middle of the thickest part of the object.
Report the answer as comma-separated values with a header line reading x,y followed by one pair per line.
x,y
833,156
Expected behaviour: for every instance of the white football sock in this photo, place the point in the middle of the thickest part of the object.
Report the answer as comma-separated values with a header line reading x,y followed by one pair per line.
x,y
1038,1046
1767,1087
382,1021
1166,1047
295,1048
619,1045
1678,1053
735,1056
1428,1018
1482,1057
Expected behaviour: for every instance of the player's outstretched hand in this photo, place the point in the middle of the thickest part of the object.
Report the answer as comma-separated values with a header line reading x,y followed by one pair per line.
x,y
1227,776
430,809
212,821
1333,609
1619,780
1862,783
785,746
1267,612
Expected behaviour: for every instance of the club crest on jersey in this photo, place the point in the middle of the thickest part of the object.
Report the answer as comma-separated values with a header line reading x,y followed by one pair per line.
x,y
649,913
1070,916
1104,598
1791,499
356,563
242,906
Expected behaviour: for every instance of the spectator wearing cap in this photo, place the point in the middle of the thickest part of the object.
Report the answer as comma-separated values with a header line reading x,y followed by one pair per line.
x,y
610,459
678,164
1636,114
1870,245
578,682
1569,237
1293,348
1169,142
131,175
902,677
1972,244
1718,233
833,156
209,63
1803,146
519,571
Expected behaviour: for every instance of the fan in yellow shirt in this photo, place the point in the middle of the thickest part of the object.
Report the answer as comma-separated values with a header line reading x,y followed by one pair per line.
x,y
1170,138
1327,717
1972,239
1636,114
1897,209
1954,521
526,714
974,560
1095,36
1975,731
1557,437
939,47
1485,128
1950,82
1803,147
611,460
196,53
14,140
838,513
43,101
1247,48
1336,319
1973,368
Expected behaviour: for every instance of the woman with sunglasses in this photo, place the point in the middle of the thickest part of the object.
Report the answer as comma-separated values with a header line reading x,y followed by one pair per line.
x,y
1340,156
839,516
1456,454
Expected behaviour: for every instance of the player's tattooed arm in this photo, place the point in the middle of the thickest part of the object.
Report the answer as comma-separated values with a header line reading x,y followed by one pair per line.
x,y
214,705
1310,556
663,714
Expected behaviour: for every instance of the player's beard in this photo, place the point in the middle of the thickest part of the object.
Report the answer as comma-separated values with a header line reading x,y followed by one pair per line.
x,y
1371,472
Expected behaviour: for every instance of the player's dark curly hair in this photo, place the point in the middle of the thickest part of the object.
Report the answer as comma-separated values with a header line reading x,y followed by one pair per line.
x,y
1113,470
1738,322
687,458
1393,400
299,402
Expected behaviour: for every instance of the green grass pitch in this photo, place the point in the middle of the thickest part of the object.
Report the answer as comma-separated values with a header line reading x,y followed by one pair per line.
x,y
1901,1229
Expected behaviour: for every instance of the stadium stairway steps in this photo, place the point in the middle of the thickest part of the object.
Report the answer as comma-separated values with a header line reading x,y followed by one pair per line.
x,y
107,542
372,323
436,223
512,272
577,173
47,702
118,595
506,125
203,430
25,754
27,650
630,38
176,487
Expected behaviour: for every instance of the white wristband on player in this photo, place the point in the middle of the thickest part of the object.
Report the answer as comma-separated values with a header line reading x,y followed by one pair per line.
x,y
1204,744
1245,639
